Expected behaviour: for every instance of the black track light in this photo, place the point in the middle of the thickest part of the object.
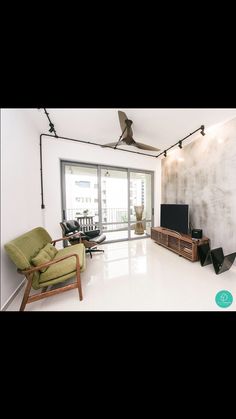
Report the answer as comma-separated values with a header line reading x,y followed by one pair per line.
x,y
51,129
202,130
179,143
51,125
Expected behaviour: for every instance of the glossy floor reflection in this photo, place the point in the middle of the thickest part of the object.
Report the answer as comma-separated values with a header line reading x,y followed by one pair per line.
x,y
141,276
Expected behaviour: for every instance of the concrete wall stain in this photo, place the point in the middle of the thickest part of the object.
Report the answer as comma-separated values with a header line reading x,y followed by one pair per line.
x,y
206,180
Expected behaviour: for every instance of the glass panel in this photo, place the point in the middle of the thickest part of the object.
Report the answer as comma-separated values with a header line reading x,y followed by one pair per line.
x,y
101,202
140,204
81,194
114,203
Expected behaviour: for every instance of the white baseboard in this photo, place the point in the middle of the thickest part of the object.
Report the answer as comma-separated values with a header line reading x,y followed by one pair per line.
x,y
14,294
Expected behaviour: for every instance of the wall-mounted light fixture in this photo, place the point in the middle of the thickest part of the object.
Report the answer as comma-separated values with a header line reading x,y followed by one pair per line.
x,y
179,143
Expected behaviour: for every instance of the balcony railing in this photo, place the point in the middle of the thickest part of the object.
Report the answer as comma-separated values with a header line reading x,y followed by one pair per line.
x,y
111,214
73,213
114,222
114,218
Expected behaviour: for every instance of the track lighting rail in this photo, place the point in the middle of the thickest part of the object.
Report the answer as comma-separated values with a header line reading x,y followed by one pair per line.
x,y
179,143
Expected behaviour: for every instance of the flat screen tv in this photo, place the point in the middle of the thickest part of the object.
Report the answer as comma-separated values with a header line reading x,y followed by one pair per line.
x,y
175,217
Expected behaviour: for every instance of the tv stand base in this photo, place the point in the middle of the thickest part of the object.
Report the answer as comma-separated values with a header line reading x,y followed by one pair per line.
x,y
182,244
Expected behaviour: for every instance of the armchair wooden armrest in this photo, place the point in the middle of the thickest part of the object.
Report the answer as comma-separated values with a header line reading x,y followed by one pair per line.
x,y
67,238
47,264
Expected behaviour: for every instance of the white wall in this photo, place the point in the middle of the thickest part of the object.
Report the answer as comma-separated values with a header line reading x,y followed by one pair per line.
x,y
20,186
20,182
54,150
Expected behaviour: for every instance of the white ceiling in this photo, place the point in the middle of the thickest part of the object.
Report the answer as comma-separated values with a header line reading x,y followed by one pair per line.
x,y
160,128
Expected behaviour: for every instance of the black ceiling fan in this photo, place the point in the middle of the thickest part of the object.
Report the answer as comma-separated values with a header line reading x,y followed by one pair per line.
x,y
126,137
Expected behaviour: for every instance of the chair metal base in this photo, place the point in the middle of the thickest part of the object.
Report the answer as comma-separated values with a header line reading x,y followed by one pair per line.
x,y
92,250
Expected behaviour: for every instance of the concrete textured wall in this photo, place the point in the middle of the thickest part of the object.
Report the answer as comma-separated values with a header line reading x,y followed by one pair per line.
x,y
203,175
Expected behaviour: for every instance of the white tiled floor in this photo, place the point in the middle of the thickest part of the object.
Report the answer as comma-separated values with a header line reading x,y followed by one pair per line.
x,y
140,275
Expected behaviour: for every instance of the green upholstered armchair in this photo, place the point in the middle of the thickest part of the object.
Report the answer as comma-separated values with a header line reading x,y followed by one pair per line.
x,y
36,257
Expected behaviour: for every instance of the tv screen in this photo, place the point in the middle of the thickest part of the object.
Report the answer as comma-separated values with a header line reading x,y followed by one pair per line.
x,y
175,217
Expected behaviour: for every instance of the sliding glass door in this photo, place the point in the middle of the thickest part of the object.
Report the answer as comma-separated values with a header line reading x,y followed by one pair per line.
x,y
114,203
118,201
80,192
141,203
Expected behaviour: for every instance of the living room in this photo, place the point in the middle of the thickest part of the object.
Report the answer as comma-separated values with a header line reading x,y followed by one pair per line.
x,y
43,148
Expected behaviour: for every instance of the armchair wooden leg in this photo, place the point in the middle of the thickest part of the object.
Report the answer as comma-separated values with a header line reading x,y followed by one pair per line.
x,y
27,293
79,281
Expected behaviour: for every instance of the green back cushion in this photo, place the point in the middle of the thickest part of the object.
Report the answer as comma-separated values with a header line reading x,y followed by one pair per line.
x,y
42,257
51,250
22,249
45,255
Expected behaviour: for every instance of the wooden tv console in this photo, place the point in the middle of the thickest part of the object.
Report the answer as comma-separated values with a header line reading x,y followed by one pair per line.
x,y
182,244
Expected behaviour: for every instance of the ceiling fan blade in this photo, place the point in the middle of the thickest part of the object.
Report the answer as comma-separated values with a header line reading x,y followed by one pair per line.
x,y
114,144
145,147
109,144
126,129
122,119
127,137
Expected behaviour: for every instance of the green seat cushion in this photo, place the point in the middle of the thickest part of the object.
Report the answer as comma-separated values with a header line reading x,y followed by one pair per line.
x,y
65,267
60,279
42,257
74,249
